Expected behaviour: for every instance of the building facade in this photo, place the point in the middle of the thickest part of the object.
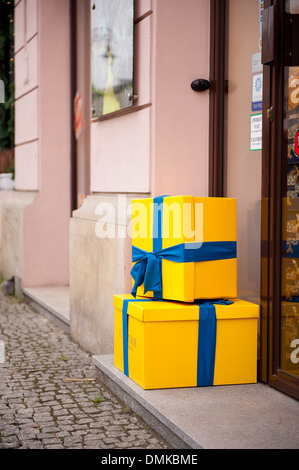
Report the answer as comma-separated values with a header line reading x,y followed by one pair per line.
x,y
155,97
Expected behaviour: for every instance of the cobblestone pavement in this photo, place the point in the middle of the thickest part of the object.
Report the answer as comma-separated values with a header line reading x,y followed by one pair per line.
x,y
49,398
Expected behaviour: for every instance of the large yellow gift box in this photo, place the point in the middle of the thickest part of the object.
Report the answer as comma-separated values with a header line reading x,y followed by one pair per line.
x,y
191,241
166,344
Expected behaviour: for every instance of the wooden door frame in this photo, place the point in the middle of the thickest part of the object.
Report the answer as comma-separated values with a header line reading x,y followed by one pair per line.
x,y
218,73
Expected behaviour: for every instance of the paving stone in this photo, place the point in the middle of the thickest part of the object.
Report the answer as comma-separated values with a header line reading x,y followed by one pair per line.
x,y
40,409
50,429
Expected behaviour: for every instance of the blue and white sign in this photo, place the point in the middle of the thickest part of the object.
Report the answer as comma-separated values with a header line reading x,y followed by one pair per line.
x,y
257,92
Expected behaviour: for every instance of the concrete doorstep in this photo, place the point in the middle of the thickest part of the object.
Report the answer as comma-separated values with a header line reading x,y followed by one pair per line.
x,y
251,416
52,302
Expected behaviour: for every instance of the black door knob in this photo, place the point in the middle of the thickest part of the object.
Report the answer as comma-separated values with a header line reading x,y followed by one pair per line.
x,y
200,84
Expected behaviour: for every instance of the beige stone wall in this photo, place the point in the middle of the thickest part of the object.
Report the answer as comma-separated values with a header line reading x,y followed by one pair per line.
x,y
4,195
12,233
99,269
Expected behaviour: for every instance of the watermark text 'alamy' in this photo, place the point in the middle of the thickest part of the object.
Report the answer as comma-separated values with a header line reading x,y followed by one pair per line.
x,y
181,220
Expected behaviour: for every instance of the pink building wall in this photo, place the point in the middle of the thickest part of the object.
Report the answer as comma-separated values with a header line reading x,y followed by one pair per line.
x,y
180,115
42,136
163,147
26,95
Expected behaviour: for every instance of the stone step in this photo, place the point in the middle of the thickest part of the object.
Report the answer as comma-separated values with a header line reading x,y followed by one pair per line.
x,y
51,301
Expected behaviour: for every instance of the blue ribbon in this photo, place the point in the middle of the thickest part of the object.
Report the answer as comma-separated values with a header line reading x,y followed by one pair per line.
x,y
147,269
207,329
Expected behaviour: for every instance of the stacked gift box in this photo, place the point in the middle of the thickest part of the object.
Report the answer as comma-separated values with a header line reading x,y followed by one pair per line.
x,y
183,325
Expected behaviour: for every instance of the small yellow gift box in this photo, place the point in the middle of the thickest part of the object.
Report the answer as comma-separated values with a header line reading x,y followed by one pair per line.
x,y
163,344
191,241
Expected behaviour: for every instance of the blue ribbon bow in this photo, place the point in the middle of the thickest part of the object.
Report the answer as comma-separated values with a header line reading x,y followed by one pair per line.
x,y
147,269
207,330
